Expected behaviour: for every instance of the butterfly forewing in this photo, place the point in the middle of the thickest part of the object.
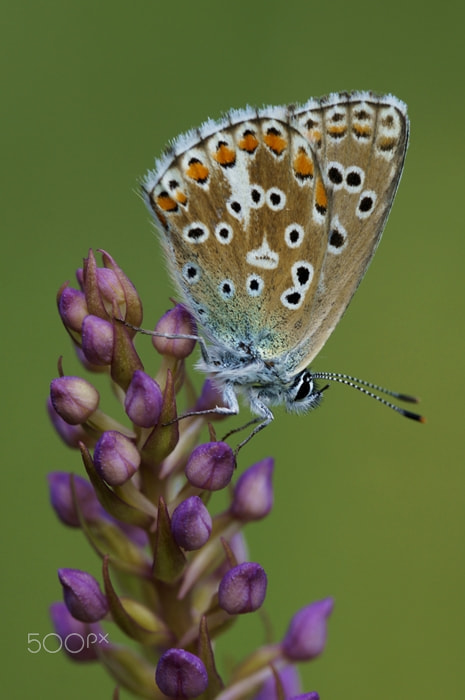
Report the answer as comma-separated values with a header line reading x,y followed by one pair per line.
x,y
360,142
245,215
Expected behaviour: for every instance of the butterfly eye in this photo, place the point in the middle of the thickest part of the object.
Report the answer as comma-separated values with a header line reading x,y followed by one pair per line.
x,y
303,386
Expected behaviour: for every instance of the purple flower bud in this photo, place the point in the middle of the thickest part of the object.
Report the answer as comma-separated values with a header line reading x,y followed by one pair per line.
x,y
110,288
62,498
181,674
210,398
82,595
211,466
116,458
144,400
97,340
74,399
253,493
191,524
289,679
79,639
72,308
242,589
177,321
306,635
72,435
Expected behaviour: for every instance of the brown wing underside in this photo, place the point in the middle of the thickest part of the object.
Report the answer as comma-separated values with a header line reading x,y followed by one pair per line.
x,y
269,226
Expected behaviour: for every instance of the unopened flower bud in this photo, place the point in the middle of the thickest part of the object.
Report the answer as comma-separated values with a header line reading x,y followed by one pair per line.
x,y
176,321
306,635
116,458
144,400
74,399
82,595
181,674
242,589
253,493
97,340
79,639
211,466
209,399
191,524
61,496
72,308
110,288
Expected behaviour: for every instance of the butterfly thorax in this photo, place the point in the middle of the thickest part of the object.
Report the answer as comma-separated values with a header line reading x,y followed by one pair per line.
x,y
260,381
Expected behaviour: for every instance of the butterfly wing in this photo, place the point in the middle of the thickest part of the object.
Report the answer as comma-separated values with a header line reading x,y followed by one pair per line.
x,y
271,217
244,213
360,141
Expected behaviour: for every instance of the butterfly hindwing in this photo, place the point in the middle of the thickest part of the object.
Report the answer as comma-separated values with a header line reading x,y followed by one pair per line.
x,y
360,142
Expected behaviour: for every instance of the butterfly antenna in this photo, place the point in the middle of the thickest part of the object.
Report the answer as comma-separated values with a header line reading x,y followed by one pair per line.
x,y
365,387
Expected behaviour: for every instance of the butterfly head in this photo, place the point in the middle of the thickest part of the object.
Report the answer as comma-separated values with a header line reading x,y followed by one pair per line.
x,y
303,394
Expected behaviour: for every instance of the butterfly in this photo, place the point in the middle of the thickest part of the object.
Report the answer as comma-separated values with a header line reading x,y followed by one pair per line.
x,y
269,219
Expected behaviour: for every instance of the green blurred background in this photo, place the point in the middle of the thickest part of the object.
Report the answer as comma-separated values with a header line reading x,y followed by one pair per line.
x,y
369,507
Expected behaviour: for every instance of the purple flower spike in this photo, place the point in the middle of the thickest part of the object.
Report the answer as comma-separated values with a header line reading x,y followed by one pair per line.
x,y
181,674
97,340
191,524
177,321
242,589
116,458
77,638
144,400
306,635
72,308
82,595
211,466
62,498
74,399
253,494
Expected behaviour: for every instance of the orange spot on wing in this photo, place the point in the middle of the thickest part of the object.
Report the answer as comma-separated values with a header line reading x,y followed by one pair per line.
x,y
165,202
275,141
387,143
224,155
197,171
303,164
321,198
180,197
361,130
249,142
337,130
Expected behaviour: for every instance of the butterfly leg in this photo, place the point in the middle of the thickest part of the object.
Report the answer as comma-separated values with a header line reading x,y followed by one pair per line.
x,y
231,409
264,415
243,427
170,336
